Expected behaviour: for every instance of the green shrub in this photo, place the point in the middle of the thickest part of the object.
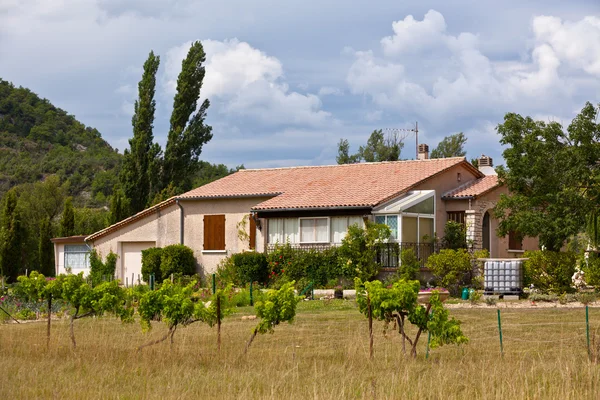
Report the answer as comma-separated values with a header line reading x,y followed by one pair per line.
x,y
177,259
591,269
409,265
151,263
227,273
549,271
357,254
251,267
99,270
451,268
304,265
455,236
25,315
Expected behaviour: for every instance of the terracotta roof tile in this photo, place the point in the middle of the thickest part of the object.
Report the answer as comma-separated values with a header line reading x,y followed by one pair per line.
x,y
473,188
350,185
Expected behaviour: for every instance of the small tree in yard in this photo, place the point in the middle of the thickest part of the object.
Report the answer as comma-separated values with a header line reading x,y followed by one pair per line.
x,y
88,301
399,303
37,287
179,306
358,251
279,306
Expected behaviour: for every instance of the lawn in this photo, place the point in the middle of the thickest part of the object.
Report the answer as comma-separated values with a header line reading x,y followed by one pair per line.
x,y
323,355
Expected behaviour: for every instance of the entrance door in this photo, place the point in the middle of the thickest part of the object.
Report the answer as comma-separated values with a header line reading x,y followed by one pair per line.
x,y
132,260
485,231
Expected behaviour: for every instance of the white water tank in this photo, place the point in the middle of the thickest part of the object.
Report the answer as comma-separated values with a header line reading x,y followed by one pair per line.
x,y
503,275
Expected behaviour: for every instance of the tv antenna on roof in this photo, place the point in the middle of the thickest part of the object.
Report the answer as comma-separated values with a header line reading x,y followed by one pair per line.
x,y
405,132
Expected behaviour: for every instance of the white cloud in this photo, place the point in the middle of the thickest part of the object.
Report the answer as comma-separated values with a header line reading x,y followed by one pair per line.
x,y
249,83
330,91
451,77
577,43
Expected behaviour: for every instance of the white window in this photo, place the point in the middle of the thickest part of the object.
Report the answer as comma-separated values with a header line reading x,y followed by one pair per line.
x,y
391,221
339,227
77,256
314,230
283,230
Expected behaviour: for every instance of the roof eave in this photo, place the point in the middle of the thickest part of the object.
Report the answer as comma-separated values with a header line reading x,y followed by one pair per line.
x,y
266,210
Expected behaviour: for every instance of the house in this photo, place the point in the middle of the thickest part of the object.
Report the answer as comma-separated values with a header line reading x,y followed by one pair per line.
x,y
312,207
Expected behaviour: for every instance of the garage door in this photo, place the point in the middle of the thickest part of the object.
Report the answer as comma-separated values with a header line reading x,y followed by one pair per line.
x,y
132,260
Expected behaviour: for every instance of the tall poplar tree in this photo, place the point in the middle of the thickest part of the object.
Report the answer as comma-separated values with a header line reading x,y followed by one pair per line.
x,y
67,221
187,133
138,173
11,238
45,248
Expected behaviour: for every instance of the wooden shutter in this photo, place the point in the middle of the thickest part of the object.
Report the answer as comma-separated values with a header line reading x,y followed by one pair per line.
x,y
252,233
457,216
214,232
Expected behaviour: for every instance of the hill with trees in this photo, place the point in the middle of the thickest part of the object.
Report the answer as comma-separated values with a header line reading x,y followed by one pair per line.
x,y
38,139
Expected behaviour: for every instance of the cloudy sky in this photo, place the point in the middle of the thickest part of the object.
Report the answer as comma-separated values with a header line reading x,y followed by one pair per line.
x,y
288,79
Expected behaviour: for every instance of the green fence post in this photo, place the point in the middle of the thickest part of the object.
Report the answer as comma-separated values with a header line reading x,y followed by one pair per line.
x,y
152,278
428,338
251,297
587,330
500,331
214,279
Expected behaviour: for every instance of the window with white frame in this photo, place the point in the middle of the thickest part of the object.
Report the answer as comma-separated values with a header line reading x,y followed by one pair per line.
x,y
77,256
314,230
391,221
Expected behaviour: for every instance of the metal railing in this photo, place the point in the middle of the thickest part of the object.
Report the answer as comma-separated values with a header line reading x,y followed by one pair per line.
x,y
388,254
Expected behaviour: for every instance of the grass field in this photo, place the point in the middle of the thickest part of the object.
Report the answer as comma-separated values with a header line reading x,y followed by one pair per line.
x,y
323,355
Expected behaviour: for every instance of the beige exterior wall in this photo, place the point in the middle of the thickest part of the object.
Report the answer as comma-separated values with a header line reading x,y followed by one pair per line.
x,y
163,227
443,183
59,259
499,245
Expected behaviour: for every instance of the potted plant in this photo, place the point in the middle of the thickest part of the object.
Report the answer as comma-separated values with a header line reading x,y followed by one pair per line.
x,y
425,294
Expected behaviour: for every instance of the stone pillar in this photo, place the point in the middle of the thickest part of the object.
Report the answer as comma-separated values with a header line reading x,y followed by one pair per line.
x,y
474,233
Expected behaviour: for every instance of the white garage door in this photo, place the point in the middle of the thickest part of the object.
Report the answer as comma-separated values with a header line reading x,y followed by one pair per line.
x,y
132,260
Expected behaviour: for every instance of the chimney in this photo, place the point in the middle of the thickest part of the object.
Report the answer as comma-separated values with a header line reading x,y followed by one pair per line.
x,y
423,152
486,165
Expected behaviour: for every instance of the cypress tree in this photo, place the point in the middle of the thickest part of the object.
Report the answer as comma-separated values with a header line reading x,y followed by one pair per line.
x,y
138,172
11,235
67,221
187,133
119,207
45,248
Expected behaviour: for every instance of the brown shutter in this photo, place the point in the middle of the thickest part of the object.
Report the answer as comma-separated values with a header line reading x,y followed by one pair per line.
x,y
252,233
214,232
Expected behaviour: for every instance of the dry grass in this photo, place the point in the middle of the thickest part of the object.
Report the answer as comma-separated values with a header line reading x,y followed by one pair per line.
x,y
324,355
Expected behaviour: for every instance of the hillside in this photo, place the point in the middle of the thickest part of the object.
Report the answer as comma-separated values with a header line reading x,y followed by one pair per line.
x,y
38,139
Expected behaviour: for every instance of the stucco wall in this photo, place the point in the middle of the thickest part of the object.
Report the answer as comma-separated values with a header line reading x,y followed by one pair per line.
x,y
499,245
163,228
442,183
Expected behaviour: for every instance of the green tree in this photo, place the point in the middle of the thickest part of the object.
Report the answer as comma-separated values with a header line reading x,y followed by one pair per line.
x,y
187,133
135,175
11,238
450,146
119,207
344,156
45,248
551,175
67,221
378,148
381,148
